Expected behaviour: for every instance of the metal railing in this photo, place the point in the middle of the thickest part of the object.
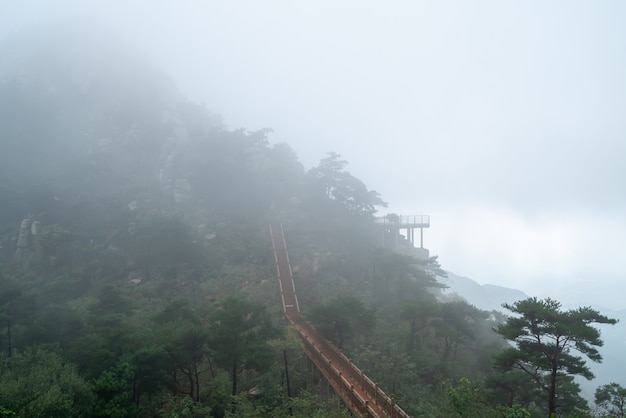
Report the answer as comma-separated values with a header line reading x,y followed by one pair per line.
x,y
362,396
404,220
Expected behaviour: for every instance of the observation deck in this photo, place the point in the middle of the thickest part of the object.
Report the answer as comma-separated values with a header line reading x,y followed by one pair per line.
x,y
393,224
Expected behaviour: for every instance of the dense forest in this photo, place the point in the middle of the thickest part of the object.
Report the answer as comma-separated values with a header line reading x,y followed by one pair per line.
x,y
137,279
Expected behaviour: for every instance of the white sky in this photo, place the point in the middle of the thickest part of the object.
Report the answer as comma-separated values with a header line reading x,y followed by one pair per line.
x,y
503,120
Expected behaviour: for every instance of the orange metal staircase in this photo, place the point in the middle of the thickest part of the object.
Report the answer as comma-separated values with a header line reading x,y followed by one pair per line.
x,y
362,396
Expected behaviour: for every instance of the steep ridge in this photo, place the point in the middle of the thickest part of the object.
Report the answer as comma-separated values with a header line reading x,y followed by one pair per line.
x,y
362,396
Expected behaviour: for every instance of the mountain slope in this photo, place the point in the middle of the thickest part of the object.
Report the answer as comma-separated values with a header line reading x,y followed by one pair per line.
x,y
487,297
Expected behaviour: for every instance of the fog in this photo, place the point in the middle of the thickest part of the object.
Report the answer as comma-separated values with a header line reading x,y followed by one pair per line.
x,y
503,121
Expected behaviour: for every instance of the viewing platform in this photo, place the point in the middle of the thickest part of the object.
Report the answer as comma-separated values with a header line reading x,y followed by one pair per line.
x,y
392,224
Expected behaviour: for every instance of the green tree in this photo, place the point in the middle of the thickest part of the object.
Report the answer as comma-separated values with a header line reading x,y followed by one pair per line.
x,y
420,316
570,401
149,365
341,318
239,334
512,387
10,296
464,398
6,412
331,180
612,398
459,327
515,411
547,339
184,337
106,334
405,277
114,397
19,306
185,408
39,383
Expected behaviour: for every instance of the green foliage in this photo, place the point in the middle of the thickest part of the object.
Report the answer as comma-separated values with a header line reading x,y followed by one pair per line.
x,y
398,277
6,412
114,398
342,318
512,387
612,399
342,189
53,237
10,310
39,383
149,364
570,402
183,338
55,323
307,405
514,411
448,339
239,333
19,311
464,398
398,374
457,327
420,316
184,407
106,336
546,339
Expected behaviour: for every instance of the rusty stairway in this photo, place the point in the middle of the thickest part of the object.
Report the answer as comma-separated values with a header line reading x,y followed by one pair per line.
x,y
362,396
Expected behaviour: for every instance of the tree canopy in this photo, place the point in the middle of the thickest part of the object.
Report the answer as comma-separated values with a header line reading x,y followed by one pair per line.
x,y
547,340
330,179
612,398
342,318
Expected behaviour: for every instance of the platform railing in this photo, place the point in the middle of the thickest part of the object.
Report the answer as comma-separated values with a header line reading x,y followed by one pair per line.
x,y
404,220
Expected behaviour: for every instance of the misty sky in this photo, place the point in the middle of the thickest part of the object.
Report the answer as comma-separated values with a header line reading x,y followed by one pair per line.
x,y
503,120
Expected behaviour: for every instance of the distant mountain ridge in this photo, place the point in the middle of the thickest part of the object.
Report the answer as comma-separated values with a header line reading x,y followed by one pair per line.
x,y
490,297
487,297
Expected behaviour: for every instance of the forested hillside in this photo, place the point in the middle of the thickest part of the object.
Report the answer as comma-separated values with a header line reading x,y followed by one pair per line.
x,y
136,270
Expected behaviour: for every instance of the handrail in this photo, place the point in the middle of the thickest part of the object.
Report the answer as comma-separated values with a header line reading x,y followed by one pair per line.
x,y
404,220
362,396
